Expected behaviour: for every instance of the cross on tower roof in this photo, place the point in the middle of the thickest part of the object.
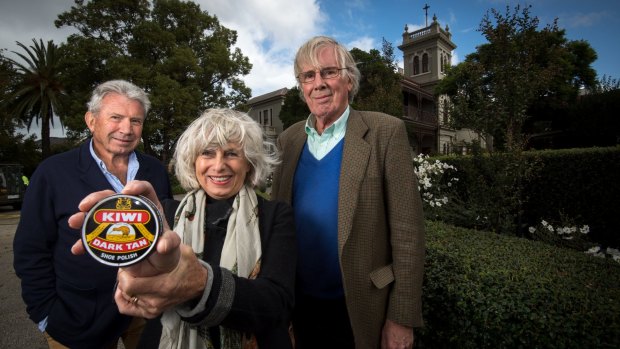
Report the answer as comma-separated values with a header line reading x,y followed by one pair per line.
x,y
425,8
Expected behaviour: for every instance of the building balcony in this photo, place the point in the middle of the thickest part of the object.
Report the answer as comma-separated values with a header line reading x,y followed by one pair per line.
x,y
419,115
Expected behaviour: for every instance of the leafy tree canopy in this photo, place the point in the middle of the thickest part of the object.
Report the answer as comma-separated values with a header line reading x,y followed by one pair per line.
x,y
294,108
180,54
520,67
606,84
380,88
7,81
14,147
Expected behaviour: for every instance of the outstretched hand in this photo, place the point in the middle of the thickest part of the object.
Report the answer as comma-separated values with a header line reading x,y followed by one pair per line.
x,y
167,253
150,296
170,275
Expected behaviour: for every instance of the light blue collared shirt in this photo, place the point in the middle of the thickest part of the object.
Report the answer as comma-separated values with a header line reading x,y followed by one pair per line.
x,y
132,169
321,144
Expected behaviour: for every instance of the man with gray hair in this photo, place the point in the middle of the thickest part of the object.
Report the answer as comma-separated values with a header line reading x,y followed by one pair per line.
x,y
358,213
71,298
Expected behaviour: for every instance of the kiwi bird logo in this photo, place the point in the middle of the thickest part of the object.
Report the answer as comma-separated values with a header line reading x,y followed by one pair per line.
x,y
123,229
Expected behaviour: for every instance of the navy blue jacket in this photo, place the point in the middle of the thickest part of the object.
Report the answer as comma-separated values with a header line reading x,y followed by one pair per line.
x,y
74,292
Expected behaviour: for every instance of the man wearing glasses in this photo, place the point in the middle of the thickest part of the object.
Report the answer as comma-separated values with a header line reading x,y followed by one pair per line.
x,y
349,176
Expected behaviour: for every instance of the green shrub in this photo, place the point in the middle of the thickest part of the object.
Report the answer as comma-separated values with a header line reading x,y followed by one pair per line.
x,y
581,184
508,193
489,193
485,290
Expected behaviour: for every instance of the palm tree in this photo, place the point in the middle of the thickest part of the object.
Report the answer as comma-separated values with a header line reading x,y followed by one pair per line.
x,y
39,91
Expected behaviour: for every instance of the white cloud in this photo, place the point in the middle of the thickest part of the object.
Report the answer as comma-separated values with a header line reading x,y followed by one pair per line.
x,y
582,20
364,43
26,20
455,58
268,33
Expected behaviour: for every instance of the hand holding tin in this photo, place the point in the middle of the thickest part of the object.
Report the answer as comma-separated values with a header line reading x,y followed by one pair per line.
x,y
157,293
159,281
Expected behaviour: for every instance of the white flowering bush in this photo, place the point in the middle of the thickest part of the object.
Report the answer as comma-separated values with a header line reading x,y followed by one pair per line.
x,y
598,251
573,236
434,180
566,232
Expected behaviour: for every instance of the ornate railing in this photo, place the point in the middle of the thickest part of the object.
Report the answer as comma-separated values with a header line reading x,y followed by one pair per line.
x,y
416,114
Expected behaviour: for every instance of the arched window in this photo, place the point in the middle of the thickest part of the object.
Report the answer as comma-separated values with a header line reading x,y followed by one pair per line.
x,y
441,65
425,63
416,65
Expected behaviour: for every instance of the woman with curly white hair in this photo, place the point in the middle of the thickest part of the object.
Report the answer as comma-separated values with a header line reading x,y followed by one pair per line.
x,y
247,243
228,282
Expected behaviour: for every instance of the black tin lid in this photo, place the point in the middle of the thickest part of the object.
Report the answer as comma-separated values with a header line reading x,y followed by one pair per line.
x,y
121,230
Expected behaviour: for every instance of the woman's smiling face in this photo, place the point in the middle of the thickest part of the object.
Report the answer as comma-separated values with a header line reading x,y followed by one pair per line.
x,y
221,171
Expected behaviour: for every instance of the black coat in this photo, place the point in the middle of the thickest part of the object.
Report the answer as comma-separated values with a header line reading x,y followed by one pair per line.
x,y
74,292
262,306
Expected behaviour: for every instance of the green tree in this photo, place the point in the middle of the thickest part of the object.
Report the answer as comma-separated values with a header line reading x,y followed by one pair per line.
x,y
520,68
180,54
467,87
294,108
8,74
606,84
14,147
380,88
494,91
38,91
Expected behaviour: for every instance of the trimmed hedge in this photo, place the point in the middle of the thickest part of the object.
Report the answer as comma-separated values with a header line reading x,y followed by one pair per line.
x,y
485,290
582,185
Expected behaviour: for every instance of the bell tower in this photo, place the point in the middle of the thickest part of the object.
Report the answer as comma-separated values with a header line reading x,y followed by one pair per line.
x,y
426,53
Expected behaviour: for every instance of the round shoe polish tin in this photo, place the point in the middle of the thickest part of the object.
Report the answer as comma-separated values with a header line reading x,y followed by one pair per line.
x,y
121,230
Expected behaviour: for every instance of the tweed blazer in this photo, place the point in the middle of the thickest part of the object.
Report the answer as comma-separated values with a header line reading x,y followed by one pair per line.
x,y
380,221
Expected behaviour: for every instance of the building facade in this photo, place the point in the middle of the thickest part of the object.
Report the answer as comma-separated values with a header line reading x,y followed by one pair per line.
x,y
427,53
265,109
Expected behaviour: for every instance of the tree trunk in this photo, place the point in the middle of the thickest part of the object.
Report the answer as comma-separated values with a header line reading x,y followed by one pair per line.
x,y
46,149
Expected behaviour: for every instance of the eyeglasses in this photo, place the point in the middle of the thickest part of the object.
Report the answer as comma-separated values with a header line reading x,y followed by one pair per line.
x,y
326,73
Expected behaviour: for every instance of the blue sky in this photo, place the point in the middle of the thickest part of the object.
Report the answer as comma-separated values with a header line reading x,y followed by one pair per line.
x,y
363,24
594,21
270,31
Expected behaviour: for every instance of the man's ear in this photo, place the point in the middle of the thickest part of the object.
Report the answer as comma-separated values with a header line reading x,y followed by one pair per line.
x,y
89,119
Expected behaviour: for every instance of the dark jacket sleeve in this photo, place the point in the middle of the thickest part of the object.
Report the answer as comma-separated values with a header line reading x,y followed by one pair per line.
x,y
33,247
263,305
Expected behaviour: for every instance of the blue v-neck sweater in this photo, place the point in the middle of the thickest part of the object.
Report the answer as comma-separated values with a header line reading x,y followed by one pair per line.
x,y
315,202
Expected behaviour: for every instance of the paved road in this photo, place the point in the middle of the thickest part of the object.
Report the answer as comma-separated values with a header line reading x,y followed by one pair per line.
x,y
16,329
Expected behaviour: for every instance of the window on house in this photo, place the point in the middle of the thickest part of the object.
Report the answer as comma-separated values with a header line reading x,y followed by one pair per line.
x,y
416,65
266,117
425,63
